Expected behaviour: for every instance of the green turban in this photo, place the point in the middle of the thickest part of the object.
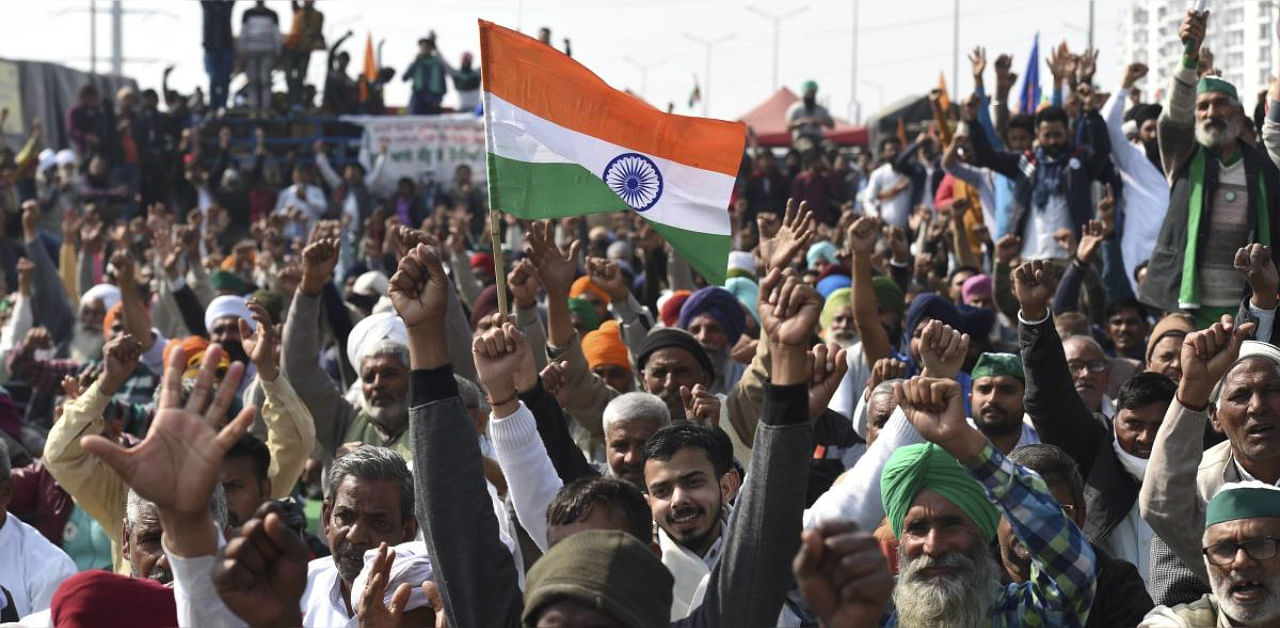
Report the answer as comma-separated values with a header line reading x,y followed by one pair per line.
x,y
586,313
840,298
998,364
1242,500
889,295
1216,84
914,468
809,85
229,281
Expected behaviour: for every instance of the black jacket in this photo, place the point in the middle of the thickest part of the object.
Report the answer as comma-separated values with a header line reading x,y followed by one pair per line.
x,y
1121,597
1090,161
217,25
1164,274
1062,419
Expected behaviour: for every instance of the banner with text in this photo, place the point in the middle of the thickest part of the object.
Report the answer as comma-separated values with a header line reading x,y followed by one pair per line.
x,y
427,149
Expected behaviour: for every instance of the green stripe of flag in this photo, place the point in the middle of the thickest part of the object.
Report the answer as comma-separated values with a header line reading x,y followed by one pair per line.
x,y
538,191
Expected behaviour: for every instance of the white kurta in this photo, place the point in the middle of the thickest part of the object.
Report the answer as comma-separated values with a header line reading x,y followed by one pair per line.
x,y
31,568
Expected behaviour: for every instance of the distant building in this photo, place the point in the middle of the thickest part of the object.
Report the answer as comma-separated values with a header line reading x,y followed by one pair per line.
x,y
1242,37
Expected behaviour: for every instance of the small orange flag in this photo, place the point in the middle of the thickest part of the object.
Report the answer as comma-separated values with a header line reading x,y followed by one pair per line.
x,y
902,133
945,101
370,73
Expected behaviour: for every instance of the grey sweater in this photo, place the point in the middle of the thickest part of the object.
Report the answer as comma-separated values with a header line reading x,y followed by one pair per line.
x,y
475,572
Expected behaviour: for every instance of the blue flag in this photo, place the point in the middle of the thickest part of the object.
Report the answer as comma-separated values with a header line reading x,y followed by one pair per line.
x,y
1030,98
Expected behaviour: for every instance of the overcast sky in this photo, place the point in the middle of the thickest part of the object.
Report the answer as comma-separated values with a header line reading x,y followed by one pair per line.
x,y
902,45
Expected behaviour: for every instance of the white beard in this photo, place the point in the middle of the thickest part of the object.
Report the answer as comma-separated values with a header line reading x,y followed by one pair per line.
x,y
86,345
1213,137
961,600
1253,615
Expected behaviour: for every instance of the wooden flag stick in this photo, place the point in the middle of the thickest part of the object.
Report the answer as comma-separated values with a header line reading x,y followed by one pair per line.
x,y
499,266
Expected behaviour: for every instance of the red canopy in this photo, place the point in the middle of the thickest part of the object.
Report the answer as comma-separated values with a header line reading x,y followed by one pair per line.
x,y
769,120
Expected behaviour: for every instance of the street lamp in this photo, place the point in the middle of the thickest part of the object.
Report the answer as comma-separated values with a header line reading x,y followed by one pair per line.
x,y
644,72
776,18
708,44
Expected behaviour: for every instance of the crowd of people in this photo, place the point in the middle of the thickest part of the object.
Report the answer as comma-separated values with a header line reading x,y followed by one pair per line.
x,y
1021,372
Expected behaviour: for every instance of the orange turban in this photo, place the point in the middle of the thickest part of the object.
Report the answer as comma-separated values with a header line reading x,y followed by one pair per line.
x,y
193,348
582,285
604,347
110,318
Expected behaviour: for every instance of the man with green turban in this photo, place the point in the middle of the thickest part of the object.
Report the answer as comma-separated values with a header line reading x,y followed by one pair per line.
x,y
996,397
944,498
806,118
1242,525
1225,193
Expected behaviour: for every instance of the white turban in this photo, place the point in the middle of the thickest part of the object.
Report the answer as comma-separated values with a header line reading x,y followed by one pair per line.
x,y
228,305
372,283
46,160
107,293
411,566
370,331
66,157
1248,349
742,260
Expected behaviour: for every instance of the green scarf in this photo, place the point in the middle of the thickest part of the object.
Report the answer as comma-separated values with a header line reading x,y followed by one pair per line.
x,y
1189,293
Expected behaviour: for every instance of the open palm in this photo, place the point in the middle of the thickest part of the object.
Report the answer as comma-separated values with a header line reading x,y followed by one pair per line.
x,y
177,464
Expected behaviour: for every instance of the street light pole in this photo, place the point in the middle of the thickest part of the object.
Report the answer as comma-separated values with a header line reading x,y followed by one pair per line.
x,y
776,18
855,108
708,44
644,72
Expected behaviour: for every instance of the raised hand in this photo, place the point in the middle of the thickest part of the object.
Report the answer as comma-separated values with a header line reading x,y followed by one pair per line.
x,y
1206,354
1255,263
419,289
936,408
943,350
1004,77
119,359
318,261
828,364
1088,65
1133,73
789,309
260,343
606,275
262,572
862,236
556,268
556,381
700,405
498,353
1191,32
36,338
523,280
30,216
842,575
1008,248
1091,236
26,275
176,466
1034,284
883,370
781,248
978,59
373,611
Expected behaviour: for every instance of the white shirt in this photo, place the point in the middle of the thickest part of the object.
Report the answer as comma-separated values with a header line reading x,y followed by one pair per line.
x,y
322,603
1130,540
895,211
1037,240
310,200
31,568
1146,191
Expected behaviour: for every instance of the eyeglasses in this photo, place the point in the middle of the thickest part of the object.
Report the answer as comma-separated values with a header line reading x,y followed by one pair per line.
x,y
1094,366
1224,553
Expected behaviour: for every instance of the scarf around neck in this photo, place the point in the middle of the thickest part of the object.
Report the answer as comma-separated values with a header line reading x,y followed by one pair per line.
x,y
1049,178
1137,467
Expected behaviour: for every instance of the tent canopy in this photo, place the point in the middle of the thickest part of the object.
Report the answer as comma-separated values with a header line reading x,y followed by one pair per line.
x,y
769,121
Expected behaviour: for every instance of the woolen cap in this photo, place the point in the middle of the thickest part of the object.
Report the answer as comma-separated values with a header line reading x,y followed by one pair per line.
x,y
606,570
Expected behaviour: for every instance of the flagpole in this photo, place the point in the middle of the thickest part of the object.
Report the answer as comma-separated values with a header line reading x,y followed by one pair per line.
x,y
499,266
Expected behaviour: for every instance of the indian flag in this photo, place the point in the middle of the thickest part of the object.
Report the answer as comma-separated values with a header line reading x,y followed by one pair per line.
x,y
561,142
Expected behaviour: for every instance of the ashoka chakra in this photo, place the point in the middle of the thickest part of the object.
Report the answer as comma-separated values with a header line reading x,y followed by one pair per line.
x,y
635,179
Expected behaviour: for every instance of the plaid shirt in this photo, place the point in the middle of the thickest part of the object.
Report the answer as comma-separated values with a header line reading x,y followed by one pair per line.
x,y
46,376
1063,569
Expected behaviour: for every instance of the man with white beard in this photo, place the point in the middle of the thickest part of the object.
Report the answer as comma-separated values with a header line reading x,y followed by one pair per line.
x,y
87,338
378,350
1223,193
1242,523
837,319
944,499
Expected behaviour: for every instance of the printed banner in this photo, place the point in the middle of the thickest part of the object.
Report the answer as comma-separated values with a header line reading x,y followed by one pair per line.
x,y
427,149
